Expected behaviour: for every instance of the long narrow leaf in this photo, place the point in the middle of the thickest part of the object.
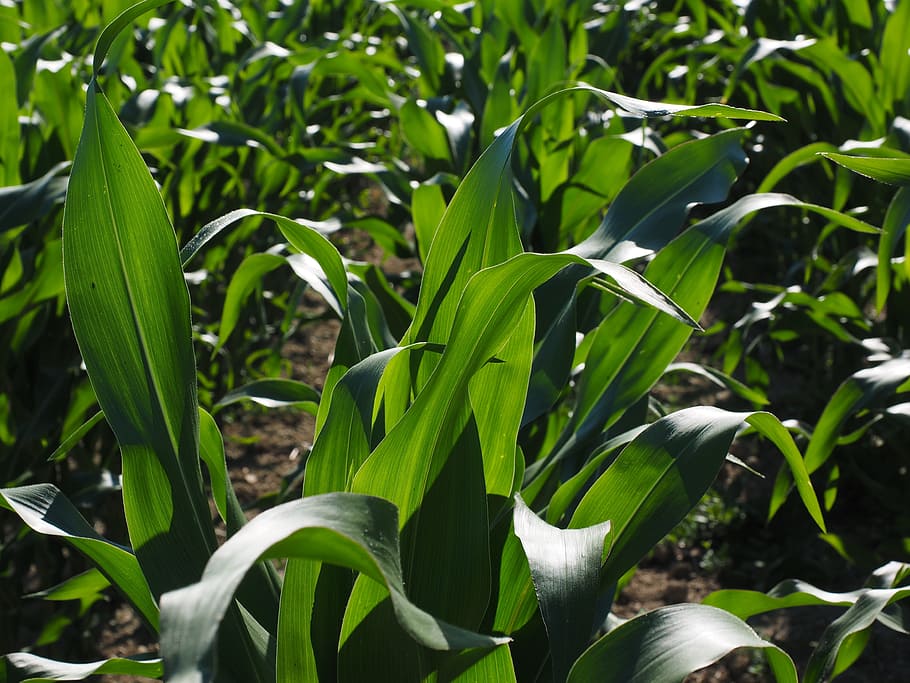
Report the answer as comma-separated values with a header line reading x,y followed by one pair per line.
x,y
891,171
354,531
47,511
666,645
671,465
859,617
28,667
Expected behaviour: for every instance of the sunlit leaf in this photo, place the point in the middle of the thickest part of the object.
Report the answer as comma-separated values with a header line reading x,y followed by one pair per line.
x,y
666,645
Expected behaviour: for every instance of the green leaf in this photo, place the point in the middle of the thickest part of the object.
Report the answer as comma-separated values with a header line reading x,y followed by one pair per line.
x,y
670,466
861,390
359,532
47,511
9,125
669,643
75,437
249,276
82,585
478,666
650,109
643,218
259,593
273,393
859,617
896,220
305,236
565,566
427,209
130,311
211,452
803,156
893,76
28,667
112,30
423,132
885,170
23,204
789,593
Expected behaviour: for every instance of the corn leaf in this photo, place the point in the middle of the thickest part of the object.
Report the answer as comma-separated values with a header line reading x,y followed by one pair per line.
x,y
479,666
644,217
859,617
669,643
75,436
47,511
274,392
565,566
894,75
344,438
9,124
358,532
430,464
861,390
897,219
632,346
27,667
672,464
885,170
22,204
84,585
112,30
305,236
648,109
130,312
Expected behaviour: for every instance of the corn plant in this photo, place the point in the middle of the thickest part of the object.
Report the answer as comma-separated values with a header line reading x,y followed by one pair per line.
x,y
478,484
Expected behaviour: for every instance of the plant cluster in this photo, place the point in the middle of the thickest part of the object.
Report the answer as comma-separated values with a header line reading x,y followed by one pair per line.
x,y
489,462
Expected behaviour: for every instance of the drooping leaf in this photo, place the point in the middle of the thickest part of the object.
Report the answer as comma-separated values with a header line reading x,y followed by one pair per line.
x,y
670,466
306,236
645,216
274,392
650,109
632,346
23,204
669,643
856,619
354,531
861,390
47,511
27,667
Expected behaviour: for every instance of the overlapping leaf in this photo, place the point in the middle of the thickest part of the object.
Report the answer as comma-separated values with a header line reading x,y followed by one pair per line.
x,y
354,531
666,645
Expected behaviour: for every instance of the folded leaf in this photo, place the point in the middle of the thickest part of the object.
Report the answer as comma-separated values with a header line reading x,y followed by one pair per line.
x,y
27,667
666,645
565,566
359,532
